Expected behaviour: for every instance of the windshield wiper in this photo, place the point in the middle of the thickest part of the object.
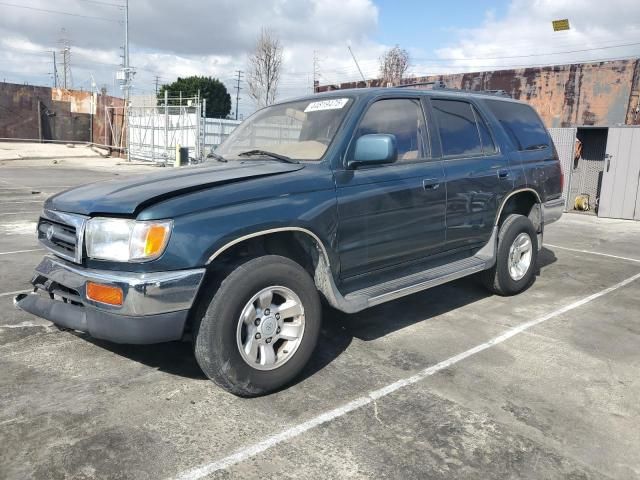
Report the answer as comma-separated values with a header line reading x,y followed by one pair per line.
x,y
265,153
217,157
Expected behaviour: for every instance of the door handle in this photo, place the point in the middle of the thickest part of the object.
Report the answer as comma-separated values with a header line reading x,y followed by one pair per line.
x,y
431,184
503,173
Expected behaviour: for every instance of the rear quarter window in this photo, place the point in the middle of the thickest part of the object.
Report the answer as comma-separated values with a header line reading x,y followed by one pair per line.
x,y
521,123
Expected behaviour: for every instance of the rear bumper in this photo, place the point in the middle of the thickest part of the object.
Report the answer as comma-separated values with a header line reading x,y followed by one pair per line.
x,y
552,210
154,309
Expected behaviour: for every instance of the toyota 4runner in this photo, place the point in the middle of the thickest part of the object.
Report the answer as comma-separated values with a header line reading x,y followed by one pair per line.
x,y
354,197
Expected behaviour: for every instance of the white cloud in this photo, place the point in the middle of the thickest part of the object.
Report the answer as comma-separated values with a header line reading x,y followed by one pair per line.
x,y
171,39
525,35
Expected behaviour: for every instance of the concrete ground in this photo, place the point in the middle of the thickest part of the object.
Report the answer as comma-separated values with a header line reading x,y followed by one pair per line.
x,y
449,383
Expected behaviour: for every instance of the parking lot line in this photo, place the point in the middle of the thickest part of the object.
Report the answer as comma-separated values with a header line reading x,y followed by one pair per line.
x,y
22,251
20,213
25,201
297,430
593,253
8,294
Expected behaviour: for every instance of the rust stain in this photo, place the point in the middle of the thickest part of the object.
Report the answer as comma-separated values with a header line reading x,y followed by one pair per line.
x,y
601,93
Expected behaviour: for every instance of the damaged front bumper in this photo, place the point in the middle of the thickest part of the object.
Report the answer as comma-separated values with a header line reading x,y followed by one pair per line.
x,y
154,309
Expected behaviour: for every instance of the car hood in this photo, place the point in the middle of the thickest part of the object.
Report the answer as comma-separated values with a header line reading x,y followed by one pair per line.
x,y
129,196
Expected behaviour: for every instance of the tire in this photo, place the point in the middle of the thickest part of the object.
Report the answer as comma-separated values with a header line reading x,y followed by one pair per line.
x,y
221,336
502,280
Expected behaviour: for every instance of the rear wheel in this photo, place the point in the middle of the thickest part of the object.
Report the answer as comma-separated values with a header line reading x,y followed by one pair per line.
x,y
516,257
260,327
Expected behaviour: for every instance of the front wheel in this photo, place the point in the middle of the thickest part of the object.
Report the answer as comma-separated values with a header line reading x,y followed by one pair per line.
x,y
260,328
516,257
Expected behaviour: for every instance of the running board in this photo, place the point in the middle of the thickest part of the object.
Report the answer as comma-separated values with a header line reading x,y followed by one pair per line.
x,y
397,288
417,282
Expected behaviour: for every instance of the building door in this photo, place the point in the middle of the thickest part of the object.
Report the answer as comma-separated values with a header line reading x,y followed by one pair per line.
x,y
619,195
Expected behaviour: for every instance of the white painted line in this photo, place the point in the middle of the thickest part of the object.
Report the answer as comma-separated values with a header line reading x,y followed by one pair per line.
x,y
593,253
20,213
27,325
8,294
25,201
297,430
22,251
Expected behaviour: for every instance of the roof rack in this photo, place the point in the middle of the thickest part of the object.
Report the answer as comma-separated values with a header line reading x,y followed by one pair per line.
x,y
439,85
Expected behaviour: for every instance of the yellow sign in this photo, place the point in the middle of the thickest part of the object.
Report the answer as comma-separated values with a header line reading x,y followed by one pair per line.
x,y
560,25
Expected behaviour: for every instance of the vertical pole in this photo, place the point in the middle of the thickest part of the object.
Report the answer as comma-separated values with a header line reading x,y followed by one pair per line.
x,y
105,124
91,115
202,132
55,70
166,123
126,77
238,91
40,120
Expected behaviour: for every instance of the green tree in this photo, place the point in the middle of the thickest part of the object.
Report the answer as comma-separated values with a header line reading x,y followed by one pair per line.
x,y
211,89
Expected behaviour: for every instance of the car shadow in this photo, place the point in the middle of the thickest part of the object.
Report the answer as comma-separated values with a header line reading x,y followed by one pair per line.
x,y
338,328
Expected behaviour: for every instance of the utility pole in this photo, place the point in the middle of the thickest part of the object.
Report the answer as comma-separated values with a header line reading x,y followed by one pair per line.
x,y
315,71
238,88
157,81
126,86
65,51
356,62
55,70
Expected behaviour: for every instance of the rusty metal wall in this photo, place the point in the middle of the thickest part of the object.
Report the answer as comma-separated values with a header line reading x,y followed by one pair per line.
x,y
602,93
31,112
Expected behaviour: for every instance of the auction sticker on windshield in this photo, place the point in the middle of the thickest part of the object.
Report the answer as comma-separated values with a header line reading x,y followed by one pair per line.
x,y
333,104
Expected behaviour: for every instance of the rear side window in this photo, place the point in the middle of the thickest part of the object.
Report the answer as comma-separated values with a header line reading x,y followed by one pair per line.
x,y
459,134
521,124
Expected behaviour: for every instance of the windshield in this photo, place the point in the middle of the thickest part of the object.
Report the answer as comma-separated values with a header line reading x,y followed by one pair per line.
x,y
298,130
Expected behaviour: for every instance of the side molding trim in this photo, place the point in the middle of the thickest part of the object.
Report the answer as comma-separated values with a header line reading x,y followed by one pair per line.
x,y
218,252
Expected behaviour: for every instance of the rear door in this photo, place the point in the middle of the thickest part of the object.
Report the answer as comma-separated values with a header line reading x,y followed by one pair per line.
x,y
619,195
395,213
478,174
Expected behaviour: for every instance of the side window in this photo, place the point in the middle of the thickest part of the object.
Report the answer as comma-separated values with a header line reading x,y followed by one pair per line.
x,y
488,146
521,123
402,118
459,133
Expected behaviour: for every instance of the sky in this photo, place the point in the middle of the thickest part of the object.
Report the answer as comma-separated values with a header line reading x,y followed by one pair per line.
x,y
214,38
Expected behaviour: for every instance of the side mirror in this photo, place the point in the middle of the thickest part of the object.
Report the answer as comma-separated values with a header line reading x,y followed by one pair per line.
x,y
374,149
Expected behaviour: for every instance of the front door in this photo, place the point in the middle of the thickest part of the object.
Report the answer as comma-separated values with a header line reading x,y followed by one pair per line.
x,y
391,214
619,195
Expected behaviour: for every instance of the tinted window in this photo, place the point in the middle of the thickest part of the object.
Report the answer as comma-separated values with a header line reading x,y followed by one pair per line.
x,y
402,118
521,124
458,130
488,146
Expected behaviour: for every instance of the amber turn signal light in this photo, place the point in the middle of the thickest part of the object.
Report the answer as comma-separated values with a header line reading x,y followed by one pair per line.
x,y
104,294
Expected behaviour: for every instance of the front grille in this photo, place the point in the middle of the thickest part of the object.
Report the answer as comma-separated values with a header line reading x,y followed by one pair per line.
x,y
61,234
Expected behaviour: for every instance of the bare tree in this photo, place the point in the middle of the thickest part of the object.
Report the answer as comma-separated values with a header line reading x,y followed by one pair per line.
x,y
393,65
265,64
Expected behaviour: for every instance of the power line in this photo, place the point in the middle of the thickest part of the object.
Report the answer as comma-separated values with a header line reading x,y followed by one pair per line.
x,y
58,12
119,5
531,54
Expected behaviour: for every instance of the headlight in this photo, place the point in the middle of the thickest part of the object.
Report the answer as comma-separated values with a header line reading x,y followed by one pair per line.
x,y
123,240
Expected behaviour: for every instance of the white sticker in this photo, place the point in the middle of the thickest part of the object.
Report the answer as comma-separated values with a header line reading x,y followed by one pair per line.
x,y
333,104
